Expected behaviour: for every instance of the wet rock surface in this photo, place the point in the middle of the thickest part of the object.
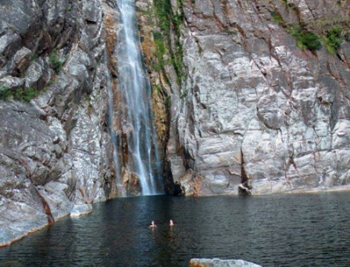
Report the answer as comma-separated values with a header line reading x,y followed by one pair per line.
x,y
55,152
221,263
256,111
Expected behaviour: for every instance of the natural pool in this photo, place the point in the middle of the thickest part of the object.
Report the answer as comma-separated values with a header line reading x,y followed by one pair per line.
x,y
279,230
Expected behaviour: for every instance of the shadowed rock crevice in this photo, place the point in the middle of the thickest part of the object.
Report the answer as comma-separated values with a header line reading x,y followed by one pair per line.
x,y
45,205
245,187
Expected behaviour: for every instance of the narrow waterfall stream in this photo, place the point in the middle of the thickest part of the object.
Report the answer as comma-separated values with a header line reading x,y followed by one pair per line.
x,y
134,85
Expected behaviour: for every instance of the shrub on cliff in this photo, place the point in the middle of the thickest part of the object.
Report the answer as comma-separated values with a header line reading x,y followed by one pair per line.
x,y
169,21
333,40
55,61
277,17
305,39
19,94
4,92
26,94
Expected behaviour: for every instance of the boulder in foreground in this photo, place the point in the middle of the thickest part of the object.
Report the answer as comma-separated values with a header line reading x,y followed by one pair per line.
x,y
221,263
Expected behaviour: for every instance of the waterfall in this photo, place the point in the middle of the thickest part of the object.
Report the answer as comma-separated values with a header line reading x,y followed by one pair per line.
x,y
134,85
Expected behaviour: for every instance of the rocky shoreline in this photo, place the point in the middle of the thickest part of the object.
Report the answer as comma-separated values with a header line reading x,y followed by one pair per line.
x,y
76,213
88,209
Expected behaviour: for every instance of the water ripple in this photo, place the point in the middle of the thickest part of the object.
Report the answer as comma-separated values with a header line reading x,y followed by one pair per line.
x,y
292,230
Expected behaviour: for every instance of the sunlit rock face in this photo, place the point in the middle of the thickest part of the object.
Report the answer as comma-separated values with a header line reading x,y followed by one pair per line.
x,y
55,152
254,107
220,263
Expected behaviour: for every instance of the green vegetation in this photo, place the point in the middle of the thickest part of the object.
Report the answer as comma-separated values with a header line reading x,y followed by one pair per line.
x,y
160,45
26,94
55,61
90,106
231,32
304,38
321,32
277,17
333,40
183,95
168,102
20,94
168,21
164,13
4,92
161,90
290,5
33,57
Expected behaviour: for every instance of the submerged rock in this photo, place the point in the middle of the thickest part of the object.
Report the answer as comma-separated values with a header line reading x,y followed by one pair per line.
x,y
221,263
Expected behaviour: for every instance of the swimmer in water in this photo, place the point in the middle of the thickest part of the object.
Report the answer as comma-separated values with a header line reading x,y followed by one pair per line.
x,y
171,223
153,225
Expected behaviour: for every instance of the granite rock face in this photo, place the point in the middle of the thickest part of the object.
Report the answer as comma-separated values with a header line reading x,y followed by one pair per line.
x,y
55,153
255,113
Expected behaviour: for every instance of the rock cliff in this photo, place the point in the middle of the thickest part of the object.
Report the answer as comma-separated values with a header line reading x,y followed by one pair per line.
x,y
55,154
264,105
249,97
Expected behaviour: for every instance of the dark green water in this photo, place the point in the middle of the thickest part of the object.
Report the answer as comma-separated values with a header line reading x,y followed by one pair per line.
x,y
280,230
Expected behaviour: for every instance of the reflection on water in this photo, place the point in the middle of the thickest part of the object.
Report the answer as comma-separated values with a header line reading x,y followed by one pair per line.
x,y
281,230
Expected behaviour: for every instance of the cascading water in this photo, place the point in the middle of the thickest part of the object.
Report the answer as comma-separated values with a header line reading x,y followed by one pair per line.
x,y
134,85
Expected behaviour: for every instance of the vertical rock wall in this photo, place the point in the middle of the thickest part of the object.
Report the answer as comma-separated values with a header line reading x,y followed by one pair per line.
x,y
55,152
255,110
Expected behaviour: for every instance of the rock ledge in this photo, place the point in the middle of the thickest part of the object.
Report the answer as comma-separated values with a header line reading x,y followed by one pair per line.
x,y
220,263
